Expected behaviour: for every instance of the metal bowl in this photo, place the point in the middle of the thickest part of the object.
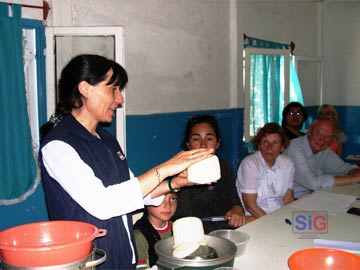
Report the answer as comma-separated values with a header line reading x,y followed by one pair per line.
x,y
203,253
225,254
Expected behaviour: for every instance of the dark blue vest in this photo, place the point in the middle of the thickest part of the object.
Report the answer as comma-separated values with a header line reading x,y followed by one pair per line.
x,y
108,162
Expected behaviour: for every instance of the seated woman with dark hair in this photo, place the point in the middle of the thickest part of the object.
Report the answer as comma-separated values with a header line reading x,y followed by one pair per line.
x,y
293,117
265,179
218,199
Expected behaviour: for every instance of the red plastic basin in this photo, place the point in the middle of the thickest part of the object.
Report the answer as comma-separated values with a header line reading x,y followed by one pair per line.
x,y
323,259
48,243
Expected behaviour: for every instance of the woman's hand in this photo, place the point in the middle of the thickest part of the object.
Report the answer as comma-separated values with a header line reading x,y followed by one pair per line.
x,y
251,205
182,160
152,180
236,216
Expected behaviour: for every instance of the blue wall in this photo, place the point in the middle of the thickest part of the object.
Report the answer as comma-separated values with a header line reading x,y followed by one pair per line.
x,y
154,138
151,139
31,210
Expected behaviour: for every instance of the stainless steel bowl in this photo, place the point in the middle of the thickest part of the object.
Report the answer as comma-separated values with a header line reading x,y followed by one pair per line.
x,y
224,249
203,253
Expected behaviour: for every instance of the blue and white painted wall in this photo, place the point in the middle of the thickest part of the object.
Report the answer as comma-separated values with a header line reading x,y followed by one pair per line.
x,y
185,57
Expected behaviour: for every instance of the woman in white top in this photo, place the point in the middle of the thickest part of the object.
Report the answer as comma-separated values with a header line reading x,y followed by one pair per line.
x,y
265,179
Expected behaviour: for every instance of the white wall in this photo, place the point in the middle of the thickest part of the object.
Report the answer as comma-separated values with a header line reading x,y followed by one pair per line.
x,y
285,21
184,55
342,52
176,51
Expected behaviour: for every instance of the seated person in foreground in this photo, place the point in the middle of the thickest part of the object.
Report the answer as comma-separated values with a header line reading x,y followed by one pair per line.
x,y
316,166
293,117
218,199
265,179
154,225
340,138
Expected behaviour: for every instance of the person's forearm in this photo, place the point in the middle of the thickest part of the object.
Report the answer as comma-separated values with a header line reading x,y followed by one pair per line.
x,y
238,210
177,164
161,189
346,180
289,196
153,180
176,183
255,210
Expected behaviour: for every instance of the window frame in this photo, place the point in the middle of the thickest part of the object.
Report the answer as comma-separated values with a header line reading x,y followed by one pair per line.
x,y
40,88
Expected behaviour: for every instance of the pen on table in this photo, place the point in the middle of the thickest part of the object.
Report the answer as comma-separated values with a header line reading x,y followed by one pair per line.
x,y
219,218
287,221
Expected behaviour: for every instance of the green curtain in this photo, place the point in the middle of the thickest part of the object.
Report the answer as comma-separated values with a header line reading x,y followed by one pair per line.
x,y
266,90
267,84
19,173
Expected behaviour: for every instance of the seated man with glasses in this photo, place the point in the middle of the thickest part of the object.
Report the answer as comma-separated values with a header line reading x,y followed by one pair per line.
x,y
293,117
265,179
316,166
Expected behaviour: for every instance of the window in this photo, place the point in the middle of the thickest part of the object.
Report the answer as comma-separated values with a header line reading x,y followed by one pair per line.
x,y
270,82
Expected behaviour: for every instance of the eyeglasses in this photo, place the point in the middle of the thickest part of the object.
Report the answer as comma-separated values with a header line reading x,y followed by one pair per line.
x,y
272,145
321,136
298,113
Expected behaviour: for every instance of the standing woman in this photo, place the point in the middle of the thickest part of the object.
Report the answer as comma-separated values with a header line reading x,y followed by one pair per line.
x,y
85,173
265,179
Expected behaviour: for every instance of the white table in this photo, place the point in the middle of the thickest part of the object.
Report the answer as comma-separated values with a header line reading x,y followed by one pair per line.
x,y
272,240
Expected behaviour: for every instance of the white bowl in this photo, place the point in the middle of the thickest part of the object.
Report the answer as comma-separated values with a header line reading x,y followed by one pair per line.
x,y
239,238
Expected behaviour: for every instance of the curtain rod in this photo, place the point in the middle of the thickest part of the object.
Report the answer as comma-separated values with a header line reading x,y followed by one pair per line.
x,y
292,44
45,7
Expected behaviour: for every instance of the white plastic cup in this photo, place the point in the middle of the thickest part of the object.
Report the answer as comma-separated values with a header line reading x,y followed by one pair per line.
x,y
239,238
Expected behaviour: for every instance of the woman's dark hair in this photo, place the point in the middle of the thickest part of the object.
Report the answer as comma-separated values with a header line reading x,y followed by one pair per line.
x,y
270,128
288,108
85,67
198,119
